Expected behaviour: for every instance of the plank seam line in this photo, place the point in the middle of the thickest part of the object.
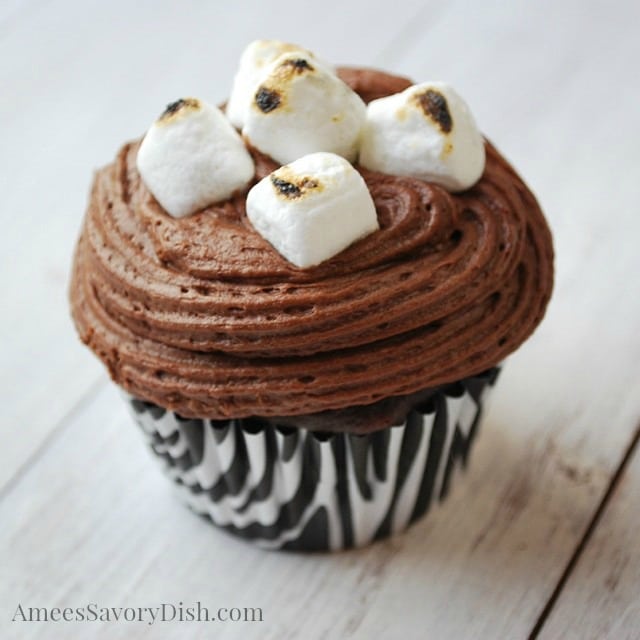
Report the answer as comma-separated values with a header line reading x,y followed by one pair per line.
x,y
588,534
55,432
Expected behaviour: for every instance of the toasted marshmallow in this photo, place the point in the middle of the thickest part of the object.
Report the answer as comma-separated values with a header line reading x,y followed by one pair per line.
x,y
301,107
426,131
312,209
253,61
192,157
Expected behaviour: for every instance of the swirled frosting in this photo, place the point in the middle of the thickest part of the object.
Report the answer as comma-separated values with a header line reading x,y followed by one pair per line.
x,y
202,316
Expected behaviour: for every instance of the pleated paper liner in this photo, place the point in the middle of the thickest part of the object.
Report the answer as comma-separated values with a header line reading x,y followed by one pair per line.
x,y
291,488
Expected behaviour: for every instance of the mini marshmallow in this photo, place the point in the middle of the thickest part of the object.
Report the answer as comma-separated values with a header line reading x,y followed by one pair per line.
x,y
301,107
426,131
192,157
253,62
312,209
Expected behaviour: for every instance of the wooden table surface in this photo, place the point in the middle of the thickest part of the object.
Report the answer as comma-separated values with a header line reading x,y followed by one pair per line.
x,y
539,539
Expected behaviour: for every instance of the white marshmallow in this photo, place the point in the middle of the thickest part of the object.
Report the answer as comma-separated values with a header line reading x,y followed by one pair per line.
x,y
312,209
192,157
253,61
301,107
427,131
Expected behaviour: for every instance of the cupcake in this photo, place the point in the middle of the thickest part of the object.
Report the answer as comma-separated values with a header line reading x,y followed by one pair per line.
x,y
306,295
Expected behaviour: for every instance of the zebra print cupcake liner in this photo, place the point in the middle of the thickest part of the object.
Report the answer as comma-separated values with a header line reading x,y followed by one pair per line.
x,y
295,489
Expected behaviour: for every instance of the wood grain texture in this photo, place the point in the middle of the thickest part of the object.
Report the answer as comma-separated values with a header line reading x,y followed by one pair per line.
x,y
88,519
601,599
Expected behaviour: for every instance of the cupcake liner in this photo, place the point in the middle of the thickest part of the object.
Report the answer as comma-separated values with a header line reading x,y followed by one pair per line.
x,y
291,488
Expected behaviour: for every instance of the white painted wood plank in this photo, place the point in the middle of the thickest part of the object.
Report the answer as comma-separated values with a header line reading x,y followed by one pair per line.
x,y
78,79
484,565
93,521
601,601
12,10
577,403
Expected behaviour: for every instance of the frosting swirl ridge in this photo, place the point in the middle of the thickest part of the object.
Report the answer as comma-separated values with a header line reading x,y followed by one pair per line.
x,y
202,316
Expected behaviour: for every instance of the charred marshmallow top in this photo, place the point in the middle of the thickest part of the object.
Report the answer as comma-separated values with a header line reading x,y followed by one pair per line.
x,y
192,157
312,209
300,107
253,62
427,132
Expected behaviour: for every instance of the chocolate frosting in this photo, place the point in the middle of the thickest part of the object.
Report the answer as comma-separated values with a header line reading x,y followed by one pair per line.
x,y
202,316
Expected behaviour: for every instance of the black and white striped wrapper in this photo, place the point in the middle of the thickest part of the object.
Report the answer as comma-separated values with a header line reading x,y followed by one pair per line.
x,y
295,489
